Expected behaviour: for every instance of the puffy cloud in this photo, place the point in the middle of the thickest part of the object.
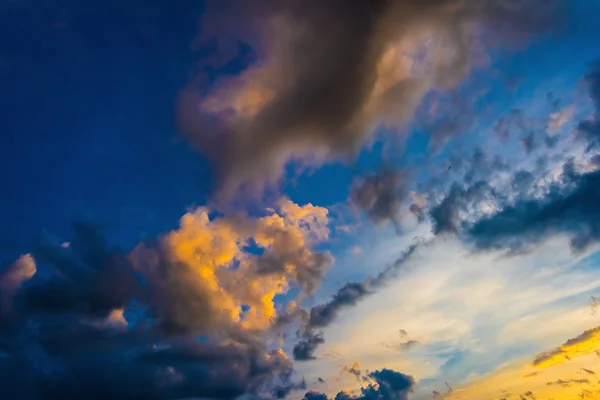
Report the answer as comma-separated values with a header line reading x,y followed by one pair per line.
x,y
305,349
586,343
189,314
386,384
380,194
569,207
326,74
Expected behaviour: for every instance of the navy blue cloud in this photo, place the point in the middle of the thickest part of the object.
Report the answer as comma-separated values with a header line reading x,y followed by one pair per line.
x,y
387,385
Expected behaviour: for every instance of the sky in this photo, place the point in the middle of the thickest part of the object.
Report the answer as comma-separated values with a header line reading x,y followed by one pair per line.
x,y
370,199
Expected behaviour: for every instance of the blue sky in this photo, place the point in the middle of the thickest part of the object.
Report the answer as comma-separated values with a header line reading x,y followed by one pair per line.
x,y
95,130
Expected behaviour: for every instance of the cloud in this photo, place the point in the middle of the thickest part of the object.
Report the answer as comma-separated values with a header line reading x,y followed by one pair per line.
x,y
322,315
11,279
305,349
380,194
327,74
586,343
569,207
354,369
387,385
189,314
589,129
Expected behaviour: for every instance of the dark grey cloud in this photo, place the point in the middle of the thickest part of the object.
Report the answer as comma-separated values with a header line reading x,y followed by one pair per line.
x,y
60,336
446,216
570,207
386,384
305,349
350,294
312,395
589,129
380,194
320,81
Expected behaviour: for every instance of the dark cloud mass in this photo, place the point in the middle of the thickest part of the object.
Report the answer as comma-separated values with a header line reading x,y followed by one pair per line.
x,y
86,321
386,385
589,129
328,72
571,207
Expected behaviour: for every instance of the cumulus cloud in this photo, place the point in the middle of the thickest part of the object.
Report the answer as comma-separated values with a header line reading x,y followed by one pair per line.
x,y
386,384
327,74
88,321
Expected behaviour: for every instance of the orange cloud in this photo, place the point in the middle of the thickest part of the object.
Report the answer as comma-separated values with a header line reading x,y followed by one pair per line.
x,y
212,282
11,278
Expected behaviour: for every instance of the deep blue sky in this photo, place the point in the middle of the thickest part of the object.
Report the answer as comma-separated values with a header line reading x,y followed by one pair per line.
x,y
87,112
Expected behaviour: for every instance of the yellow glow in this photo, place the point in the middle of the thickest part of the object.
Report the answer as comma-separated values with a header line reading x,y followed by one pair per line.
x,y
553,377
211,254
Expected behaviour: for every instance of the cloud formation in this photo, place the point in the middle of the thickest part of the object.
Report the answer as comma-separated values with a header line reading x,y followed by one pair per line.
x,y
189,314
386,384
379,194
328,73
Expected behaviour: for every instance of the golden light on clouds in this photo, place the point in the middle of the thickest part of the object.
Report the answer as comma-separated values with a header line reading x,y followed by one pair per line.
x,y
586,343
223,282
572,371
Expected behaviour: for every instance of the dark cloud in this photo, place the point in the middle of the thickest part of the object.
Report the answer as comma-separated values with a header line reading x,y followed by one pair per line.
x,y
63,332
305,349
570,207
589,129
446,216
314,396
387,385
348,295
326,73
380,194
